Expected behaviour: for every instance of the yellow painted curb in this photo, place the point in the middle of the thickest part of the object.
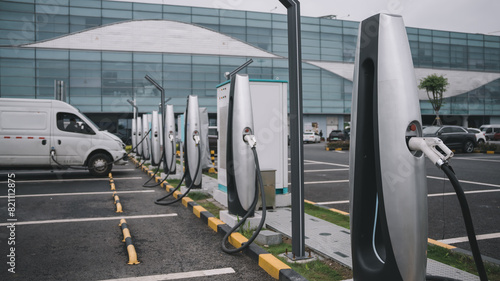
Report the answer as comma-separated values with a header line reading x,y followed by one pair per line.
x,y
213,222
237,239
157,179
490,152
198,209
327,148
339,211
177,193
169,187
272,265
132,255
338,149
113,186
440,244
110,175
186,200
211,171
309,202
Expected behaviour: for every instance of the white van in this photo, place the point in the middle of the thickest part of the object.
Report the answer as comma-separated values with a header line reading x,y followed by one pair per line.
x,y
50,133
489,131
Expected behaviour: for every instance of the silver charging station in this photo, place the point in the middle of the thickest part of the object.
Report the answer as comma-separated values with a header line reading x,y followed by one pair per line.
x,y
146,135
387,181
155,139
169,149
239,159
139,136
192,139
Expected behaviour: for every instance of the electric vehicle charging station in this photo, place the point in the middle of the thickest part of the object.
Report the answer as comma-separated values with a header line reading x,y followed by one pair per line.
x,y
134,125
139,136
192,153
269,110
387,181
169,163
146,144
387,176
155,139
192,157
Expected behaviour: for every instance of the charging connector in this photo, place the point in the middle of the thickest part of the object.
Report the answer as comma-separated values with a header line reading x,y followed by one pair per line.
x,y
429,146
196,139
251,140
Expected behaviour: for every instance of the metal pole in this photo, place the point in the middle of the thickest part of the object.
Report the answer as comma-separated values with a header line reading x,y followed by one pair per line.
x,y
296,127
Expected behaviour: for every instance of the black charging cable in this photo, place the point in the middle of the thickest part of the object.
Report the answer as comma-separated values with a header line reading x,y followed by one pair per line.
x,y
250,210
464,206
158,201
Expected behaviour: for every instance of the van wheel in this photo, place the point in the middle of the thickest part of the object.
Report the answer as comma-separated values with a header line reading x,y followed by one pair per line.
x,y
468,147
100,165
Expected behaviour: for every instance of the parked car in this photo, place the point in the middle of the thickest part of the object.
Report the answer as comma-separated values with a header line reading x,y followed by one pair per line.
x,y
480,138
310,137
39,133
489,131
496,136
336,135
454,137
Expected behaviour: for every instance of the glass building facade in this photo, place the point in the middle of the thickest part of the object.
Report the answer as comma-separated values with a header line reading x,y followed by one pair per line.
x,y
99,81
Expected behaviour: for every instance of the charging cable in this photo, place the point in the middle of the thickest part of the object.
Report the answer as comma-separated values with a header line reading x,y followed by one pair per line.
x,y
439,157
252,142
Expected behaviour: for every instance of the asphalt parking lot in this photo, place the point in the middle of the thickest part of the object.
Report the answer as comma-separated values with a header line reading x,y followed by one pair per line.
x,y
66,228
326,175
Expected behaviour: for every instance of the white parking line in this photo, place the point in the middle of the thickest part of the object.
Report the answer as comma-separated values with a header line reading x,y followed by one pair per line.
x,y
325,163
463,181
321,182
325,170
180,275
89,219
333,202
430,195
465,239
74,180
79,193
476,159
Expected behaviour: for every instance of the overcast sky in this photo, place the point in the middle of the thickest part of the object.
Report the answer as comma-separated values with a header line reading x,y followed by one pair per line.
x,y
473,16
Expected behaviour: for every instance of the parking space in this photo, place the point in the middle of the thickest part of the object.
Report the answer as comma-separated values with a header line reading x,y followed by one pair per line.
x,y
326,182
66,228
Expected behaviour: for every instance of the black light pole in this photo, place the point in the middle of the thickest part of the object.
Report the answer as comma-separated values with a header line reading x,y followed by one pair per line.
x,y
296,127
162,93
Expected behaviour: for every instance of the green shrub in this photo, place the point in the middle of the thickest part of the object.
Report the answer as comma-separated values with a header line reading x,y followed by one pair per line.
x,y
487,146
338,144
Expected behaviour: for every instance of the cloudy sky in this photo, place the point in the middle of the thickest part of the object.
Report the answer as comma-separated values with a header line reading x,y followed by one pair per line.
x,y
478,16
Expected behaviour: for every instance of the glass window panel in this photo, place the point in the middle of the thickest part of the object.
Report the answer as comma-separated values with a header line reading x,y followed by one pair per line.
x,y
237,24
205,11
86,3
16,7
259,16
147,7
458,35
84,12
50,10
7,91
232,14
52,54
259,23
140,15
117,14
117,56
142,57
458,42
205,19
177,17
168,58
425,32
117,5
474,43
350,31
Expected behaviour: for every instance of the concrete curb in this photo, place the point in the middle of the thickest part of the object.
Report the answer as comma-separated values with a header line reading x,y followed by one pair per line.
x,y
127,238
272,265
